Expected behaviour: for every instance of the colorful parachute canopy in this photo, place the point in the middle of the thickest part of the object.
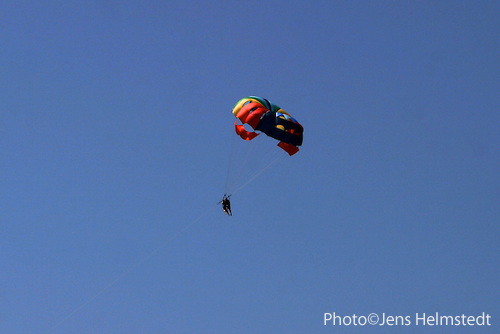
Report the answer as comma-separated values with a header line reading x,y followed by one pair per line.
x,y
270,119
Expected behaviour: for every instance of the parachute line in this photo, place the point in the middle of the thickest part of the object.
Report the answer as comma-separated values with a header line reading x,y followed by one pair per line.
x,y
231,153
258,174
249,158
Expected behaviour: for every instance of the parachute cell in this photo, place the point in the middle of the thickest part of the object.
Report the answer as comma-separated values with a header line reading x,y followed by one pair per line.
x,y
266,117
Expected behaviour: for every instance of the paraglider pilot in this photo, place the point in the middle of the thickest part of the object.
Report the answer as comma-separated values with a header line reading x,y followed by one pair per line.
x,y
226,205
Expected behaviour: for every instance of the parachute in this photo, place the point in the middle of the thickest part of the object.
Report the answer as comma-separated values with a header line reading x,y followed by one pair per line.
x,y
266,117
256,153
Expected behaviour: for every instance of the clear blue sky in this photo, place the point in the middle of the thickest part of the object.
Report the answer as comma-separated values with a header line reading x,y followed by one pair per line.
x,y
115,135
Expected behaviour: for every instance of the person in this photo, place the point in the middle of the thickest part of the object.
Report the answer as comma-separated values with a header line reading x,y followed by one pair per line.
x,y
226,205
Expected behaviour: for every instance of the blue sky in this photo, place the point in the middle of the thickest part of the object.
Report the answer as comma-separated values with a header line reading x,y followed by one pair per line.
x,y
115,141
